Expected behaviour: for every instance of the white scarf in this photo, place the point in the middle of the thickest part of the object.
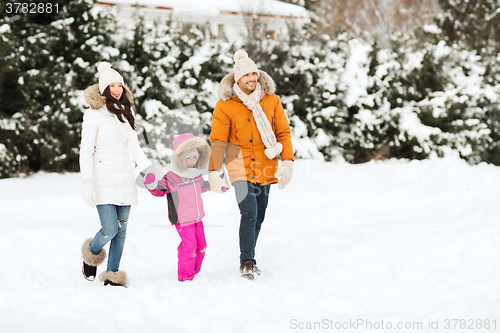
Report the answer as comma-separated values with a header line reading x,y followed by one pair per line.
x,y
189,173
273,148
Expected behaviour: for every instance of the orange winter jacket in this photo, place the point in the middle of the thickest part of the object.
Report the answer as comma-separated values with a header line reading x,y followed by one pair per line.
x,y
236,137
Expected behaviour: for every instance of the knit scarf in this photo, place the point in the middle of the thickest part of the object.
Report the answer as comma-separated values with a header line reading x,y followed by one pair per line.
x,y
251,101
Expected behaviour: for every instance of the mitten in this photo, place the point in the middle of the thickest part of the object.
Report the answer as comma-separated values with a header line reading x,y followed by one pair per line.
x,y
89,192
149,180
216,183
151,175
284,174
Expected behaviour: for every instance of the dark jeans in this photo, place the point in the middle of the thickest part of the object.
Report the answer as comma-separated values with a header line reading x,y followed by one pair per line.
x,y
252,201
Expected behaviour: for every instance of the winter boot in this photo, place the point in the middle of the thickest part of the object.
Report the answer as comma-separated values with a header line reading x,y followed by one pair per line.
x,y
114,278
256,270
91,261
247,270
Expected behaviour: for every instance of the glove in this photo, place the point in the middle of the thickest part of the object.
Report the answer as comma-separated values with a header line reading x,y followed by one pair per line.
x,y
284,174
149,180
216,183
151,175
89,192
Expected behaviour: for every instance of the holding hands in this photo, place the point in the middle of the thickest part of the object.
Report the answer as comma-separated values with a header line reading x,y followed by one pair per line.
x,y
149,180
217,184
151,176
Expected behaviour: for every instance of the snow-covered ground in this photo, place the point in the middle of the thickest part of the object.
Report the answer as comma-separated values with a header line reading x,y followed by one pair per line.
x,y
372,247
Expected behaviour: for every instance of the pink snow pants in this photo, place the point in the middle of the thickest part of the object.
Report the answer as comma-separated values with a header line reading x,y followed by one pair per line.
x,y
191,250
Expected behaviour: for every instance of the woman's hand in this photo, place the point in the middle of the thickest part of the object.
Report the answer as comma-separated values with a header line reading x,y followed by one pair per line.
x,y
89,192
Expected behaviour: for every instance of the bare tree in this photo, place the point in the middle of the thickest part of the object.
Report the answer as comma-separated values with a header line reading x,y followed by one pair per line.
x,y
370,19
307,4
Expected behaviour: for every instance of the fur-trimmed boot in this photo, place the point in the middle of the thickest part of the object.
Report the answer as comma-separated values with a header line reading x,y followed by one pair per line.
x,y
114,278
91,261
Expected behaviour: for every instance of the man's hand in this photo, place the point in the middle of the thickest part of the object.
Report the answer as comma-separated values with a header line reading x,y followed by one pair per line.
x,y
284,174
217,184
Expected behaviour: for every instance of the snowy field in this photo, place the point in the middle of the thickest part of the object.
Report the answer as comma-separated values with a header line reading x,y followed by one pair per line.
x,y
398,245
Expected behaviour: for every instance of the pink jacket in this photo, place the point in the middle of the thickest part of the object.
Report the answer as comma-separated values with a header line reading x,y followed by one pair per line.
x,y
185,205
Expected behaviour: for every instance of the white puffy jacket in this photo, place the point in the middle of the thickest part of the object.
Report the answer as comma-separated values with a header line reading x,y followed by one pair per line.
x,y
108,151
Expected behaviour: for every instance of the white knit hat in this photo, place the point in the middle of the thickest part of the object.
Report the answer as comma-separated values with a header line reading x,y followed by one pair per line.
x,y
192,152
243,65
107,75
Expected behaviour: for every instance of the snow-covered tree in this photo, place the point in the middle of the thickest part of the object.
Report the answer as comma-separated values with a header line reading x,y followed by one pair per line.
x,y
343,95
474,23
53,51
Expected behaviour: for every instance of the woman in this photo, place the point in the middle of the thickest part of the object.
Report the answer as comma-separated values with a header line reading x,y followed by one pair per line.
x,y
108,149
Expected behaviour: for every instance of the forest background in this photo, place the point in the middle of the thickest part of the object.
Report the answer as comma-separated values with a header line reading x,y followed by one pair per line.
x,y
366,79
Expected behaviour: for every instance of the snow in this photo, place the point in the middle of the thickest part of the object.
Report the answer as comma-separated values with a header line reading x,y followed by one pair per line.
x,y
431,28
4,28
214,7
355,76
392,241
412,125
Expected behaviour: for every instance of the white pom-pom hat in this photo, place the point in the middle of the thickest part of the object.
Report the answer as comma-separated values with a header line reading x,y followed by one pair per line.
x,y
107,75
193,152
243,65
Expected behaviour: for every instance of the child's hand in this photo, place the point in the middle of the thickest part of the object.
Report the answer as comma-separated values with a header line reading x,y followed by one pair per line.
x,y
224,189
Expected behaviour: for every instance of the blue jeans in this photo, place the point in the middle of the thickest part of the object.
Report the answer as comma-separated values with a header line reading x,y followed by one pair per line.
x,y
113,228
252,201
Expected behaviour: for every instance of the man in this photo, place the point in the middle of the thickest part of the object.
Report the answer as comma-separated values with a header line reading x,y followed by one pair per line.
x,y
250,129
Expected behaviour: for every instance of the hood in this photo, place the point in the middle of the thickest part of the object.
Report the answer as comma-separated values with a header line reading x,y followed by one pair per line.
x,y
226,85
186,142
97,101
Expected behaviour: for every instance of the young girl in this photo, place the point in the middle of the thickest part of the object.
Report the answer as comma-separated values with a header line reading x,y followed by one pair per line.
x,y
183,185
109,147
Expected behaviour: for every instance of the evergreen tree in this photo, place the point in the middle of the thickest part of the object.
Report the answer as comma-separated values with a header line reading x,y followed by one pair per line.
x,y
56,52
474,23
171,74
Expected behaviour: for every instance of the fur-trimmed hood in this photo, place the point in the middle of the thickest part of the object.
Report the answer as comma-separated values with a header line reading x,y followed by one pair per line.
x,y
226,85
179,158
97,101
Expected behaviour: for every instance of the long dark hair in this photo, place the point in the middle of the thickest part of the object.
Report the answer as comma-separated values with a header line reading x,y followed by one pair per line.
x,y
121,108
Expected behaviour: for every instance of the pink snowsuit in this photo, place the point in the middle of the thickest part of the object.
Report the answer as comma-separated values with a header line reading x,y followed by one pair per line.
x,y
185,205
